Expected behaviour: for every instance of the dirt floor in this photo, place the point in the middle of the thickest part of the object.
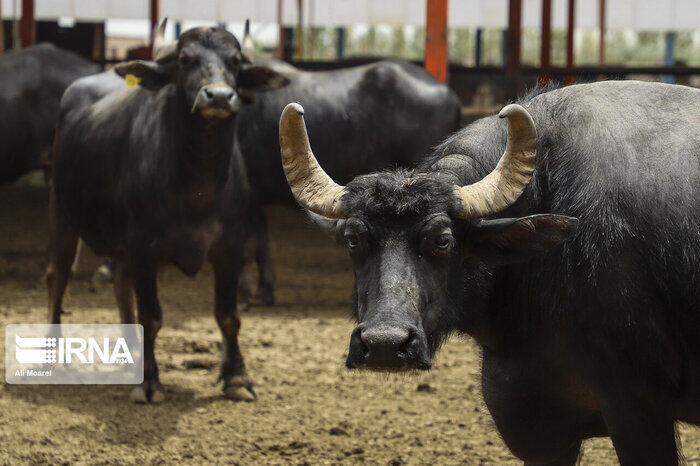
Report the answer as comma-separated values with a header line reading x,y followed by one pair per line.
x,y
310,409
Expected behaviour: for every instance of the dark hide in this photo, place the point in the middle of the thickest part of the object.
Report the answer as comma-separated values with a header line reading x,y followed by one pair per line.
x,y
33,81
148,176
594,335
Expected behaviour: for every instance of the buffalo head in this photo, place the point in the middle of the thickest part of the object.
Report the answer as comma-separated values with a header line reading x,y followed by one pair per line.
x,y
421,246
210,68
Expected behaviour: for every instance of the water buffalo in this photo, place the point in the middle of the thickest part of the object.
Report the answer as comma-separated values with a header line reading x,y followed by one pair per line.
x,y
573,259
361,119
33,81
147,176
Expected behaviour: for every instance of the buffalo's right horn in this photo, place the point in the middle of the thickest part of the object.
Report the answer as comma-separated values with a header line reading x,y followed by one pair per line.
x,y
502,187
161,51
312,187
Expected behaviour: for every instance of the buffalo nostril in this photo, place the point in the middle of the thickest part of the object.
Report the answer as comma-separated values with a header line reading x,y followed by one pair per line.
x,y
208,94
358,352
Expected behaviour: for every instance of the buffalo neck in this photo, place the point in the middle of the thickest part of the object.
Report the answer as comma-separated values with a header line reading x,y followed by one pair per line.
x,y
207,146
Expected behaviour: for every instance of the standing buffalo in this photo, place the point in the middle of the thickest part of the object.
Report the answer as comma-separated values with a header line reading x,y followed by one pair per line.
x,y
573,259
33,81
361,119
147,176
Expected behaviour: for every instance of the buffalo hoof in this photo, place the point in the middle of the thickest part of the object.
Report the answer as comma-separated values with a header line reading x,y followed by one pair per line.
x,y
148,392
266,298
239,389
242,306
103,274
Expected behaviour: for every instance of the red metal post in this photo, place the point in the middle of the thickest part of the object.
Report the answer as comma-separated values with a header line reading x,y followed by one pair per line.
x,y
28,25
601,26
546,42
436,39
154,20
280,26
570,40
513,48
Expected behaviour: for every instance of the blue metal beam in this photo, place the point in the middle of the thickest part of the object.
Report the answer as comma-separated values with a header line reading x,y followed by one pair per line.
x,y
669,56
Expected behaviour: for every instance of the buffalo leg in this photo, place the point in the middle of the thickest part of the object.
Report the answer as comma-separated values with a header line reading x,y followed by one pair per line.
x,y
124,292
63,244
150,316
245,278
226,261
641,433
256,251
570,457
266,272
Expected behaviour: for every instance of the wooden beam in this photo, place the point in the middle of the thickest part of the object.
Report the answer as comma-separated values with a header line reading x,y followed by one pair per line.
x,y
601,27
546,41
28,25
436,39
571,24
515,9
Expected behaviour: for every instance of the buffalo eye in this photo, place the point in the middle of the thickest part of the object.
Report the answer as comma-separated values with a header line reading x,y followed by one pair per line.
x,y
186,59
234,59
352,240
442,242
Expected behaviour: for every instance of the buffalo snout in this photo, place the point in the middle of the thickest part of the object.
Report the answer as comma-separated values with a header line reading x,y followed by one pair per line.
x,y
217,100
388,346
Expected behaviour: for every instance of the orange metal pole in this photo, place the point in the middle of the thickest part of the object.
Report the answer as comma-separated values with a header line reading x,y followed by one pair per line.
x,y
28,25
546,44
436,39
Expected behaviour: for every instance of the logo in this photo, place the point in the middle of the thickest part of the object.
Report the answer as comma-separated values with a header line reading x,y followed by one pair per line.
x,y
35,350
74,354
27,351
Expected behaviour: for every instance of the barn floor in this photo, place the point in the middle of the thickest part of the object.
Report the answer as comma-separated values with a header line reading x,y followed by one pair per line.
x,y
310,409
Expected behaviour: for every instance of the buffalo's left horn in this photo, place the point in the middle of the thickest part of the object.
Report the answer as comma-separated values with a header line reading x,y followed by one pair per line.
x,y
161,51
312,187
502,187
247,47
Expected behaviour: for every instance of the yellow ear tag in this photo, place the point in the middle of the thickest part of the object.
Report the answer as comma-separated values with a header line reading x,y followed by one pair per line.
x,y
132,81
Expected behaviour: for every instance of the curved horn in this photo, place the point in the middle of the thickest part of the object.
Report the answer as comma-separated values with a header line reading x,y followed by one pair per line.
x,y
247,47
161,50
312,187
502,187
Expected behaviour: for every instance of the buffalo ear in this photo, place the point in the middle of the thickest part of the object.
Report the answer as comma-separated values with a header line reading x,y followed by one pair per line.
x,y
257,78
332,226
150,74
509,240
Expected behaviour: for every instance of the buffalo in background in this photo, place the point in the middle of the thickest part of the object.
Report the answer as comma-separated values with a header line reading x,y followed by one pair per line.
x,y
147,176
32,83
